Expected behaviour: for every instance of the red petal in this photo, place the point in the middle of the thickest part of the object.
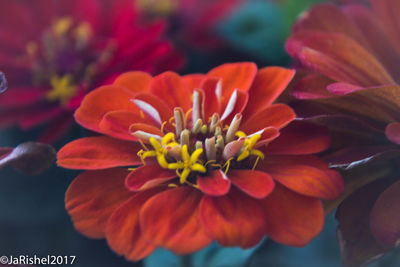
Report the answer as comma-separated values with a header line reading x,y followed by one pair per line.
x,y
117,124
170,219
278,116
256,184
234,76
211,103
101,101
385,217
158,103
392,132
123,232
93,196
387,12
233,220
312,86
148,176
135,81
329,18
268,84
300,138
145,128
169,87
338,57
99,152
292,219
17,97
193,81
306,176
215,183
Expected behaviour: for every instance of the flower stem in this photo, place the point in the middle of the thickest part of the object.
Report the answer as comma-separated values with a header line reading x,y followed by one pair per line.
x,y
186,261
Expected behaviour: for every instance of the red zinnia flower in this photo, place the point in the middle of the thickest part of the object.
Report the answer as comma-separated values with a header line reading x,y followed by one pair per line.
x,y
214,161
53,51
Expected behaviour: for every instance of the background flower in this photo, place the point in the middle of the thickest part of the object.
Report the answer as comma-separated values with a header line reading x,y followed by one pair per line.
x,y
351,85
67,48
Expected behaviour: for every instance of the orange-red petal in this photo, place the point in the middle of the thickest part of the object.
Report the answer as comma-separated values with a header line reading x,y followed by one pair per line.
x,y
171,220
117,124
268,84
292,219
100,101
277,115
100,152
93,196
306,177
235,219
170,87
234,76
123,232
215,183
135,81
300,138
256,184
148,176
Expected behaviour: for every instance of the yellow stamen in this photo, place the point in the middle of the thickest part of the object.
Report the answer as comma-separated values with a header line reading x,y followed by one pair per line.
x,y
62,25
227,165
248,150
188,164
62,89
162,126
187,114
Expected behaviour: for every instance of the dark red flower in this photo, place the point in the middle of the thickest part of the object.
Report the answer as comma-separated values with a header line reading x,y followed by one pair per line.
x,y
212,157
352,57
54,51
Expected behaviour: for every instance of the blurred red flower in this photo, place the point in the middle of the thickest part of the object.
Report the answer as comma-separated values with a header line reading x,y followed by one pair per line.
x,y
214,157
53,52
351,56
194,21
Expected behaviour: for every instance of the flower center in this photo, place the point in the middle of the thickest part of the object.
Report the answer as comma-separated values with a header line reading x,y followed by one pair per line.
x,y
197,147
64,59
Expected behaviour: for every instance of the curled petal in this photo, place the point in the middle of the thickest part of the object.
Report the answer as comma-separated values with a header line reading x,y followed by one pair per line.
x,y
256,184
215,183
117,124
148,176
101,101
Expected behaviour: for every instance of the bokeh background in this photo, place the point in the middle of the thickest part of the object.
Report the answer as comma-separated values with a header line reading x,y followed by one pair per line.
x,y
33,220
